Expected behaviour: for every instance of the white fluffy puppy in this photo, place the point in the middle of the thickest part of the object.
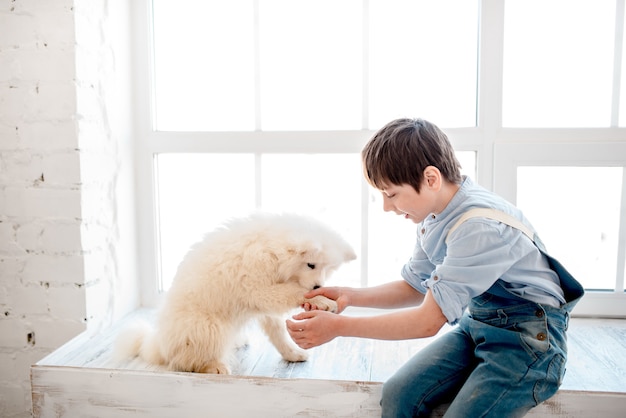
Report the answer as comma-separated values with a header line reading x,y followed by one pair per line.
x,y
254,267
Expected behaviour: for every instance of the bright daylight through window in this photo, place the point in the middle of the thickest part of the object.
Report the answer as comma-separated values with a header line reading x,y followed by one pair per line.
x,y
266,104
309,80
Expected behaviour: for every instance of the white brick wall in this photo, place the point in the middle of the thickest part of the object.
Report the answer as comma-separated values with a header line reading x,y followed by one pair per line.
x,y
67,252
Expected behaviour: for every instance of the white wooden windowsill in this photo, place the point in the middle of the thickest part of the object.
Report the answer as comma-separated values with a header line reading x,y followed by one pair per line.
x,y
341,379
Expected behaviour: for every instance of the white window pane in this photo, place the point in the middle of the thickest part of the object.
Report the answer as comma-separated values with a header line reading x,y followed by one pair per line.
x,y
327,187
423,61
204,65
468,163
391,242
558,63
311,65
196,192
577,220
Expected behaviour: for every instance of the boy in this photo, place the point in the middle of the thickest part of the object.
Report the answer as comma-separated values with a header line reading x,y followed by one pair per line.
x,y
508,352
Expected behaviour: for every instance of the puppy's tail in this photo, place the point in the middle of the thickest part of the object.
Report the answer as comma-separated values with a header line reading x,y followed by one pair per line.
x,y
138,340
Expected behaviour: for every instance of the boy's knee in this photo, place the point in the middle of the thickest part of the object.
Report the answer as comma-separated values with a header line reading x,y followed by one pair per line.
x,y
387,396
391,389
393,400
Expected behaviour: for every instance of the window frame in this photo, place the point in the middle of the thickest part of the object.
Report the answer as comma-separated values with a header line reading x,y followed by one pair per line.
x,y
497,148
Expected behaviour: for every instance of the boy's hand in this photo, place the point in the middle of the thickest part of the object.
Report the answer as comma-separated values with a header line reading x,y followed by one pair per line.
x,y
337,294
313,328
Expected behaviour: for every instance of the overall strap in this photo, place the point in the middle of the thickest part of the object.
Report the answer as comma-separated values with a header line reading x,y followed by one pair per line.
x,y
496,215
571,287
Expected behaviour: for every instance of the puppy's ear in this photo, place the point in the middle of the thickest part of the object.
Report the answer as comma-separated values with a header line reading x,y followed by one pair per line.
x,y
290,263
342,253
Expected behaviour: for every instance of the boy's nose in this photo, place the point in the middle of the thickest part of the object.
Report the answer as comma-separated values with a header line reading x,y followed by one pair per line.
x,y
387,206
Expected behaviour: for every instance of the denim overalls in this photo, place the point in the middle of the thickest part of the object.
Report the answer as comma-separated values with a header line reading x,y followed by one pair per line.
x,y
506,356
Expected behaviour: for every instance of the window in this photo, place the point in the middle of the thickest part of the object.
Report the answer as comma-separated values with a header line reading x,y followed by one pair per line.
x,y
267,103
244,65
592,253
560,72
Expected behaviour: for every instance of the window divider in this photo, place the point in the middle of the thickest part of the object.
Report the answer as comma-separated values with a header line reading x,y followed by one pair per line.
x,y
621,243
617,61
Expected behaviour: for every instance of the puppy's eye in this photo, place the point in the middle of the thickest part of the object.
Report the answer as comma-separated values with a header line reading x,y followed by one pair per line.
x,y
311,266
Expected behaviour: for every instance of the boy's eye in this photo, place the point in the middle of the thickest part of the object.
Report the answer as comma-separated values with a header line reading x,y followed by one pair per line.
x,y
311,266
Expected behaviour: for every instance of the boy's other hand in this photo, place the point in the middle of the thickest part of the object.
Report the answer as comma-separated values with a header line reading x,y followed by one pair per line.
x,y
313,328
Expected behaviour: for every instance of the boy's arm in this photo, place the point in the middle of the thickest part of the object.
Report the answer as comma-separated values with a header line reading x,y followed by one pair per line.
x,y
398,294
420,322
318,327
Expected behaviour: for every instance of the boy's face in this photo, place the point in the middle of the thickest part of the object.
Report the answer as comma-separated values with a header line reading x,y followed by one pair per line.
x,y
404,200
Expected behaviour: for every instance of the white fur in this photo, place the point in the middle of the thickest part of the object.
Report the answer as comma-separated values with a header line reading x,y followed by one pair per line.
x,y
253,267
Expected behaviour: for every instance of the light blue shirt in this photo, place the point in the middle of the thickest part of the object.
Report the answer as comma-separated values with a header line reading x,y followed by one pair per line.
x,y
478,253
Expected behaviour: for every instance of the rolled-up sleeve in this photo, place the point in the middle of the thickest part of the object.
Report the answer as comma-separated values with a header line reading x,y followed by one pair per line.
x,y
418,269
477,255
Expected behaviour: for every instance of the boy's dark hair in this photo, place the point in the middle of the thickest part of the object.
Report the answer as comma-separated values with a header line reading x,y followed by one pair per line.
x,y
400,151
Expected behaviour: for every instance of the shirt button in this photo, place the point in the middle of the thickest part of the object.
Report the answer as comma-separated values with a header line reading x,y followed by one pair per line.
x,y
541,336
423,231
539,313
433,216
436,278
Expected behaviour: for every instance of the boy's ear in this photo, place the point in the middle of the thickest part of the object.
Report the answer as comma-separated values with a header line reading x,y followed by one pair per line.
x,y
432,177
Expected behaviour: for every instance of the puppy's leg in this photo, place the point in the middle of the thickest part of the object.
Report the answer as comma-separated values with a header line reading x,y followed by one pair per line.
x,y
290,294
198,344
275,329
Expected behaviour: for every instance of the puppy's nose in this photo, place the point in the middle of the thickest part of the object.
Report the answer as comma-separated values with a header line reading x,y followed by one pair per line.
x,y
317,286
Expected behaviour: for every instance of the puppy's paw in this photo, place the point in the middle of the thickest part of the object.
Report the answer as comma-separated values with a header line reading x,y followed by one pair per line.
x,y
295,354
214,367
323,303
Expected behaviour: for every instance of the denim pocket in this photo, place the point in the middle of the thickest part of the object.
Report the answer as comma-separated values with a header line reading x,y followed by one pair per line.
x,y
534,337
481,300
546,388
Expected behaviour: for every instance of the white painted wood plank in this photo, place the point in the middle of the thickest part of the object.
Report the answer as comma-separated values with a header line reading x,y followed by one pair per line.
x,y
573,404
576,404
71,392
